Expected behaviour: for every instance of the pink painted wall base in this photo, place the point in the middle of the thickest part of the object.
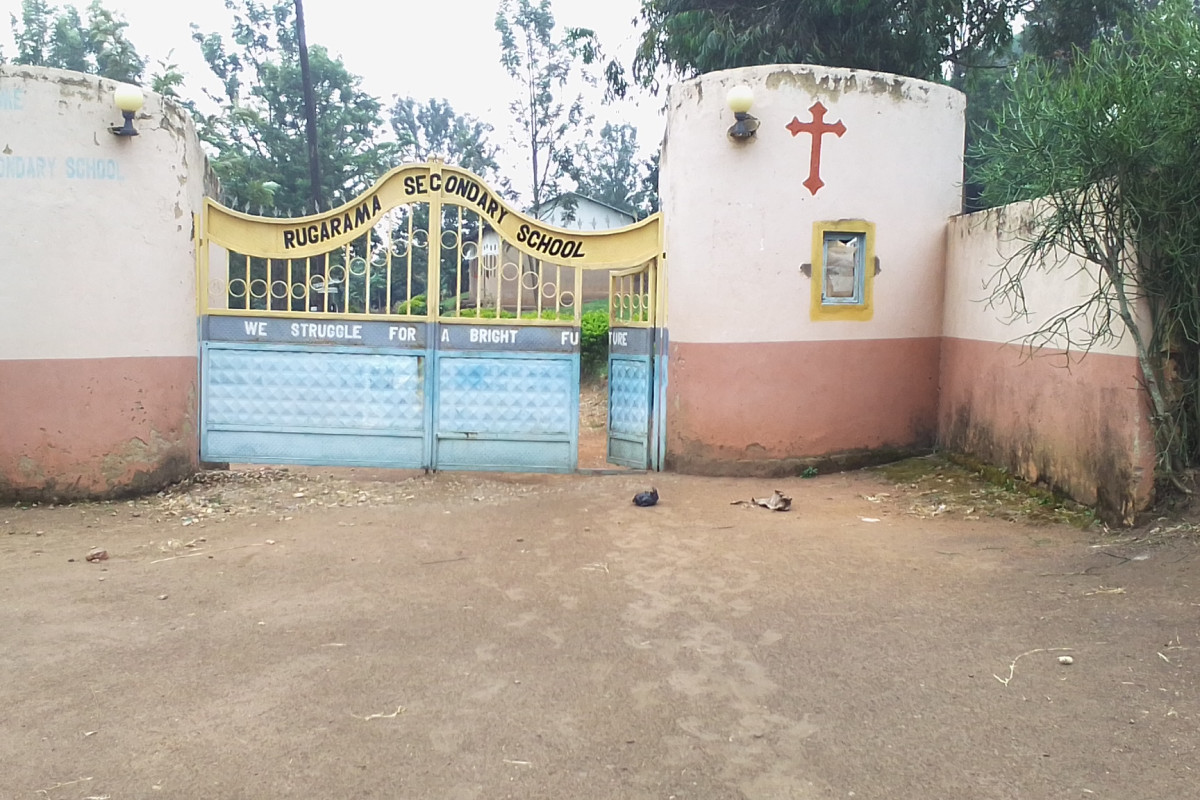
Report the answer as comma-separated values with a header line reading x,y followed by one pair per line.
x,y
88,428
1083,430
769,407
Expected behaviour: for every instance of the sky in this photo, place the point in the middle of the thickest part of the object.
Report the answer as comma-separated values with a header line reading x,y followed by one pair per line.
x,y
441,48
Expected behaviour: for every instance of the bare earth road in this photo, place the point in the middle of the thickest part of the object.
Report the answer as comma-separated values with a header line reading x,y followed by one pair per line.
x,y
309,634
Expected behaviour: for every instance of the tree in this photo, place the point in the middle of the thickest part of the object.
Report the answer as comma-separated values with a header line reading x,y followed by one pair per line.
x,y
433,130
1054,32
543,67
46,36
167,79
611,172
1111,144
259,134
1057,29
908,37
310,107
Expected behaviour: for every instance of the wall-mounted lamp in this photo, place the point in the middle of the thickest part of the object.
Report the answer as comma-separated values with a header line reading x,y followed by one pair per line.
x,y
129,100
739,99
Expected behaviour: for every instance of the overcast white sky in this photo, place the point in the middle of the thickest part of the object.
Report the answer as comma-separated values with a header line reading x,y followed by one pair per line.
x,y
438,48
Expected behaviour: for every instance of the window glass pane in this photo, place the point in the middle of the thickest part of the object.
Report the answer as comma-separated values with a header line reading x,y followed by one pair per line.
x,y
842,279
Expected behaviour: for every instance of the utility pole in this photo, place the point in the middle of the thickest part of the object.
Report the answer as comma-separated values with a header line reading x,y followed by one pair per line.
x,y
310,111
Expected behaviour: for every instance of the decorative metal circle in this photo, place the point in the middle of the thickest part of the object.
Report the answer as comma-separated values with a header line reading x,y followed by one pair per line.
x,y
258,288
452,242
237,288
470,251
505,274
334,275
279,289
358,266
566,299
297,291
548,290
420,238
646,302
635,302
316,283
525,280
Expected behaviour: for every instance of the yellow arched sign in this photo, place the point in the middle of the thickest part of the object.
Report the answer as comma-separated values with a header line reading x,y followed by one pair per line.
x,y
302,237
428,241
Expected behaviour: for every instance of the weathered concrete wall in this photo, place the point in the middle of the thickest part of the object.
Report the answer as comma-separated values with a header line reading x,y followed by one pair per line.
x,y
762,378
98,345
1078,423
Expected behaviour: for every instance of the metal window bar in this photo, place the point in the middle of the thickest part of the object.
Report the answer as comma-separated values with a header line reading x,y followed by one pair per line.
x,y
631,296
499,278
367,257
458,259
408,254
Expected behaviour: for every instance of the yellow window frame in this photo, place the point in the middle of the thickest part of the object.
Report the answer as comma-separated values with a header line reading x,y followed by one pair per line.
x,y
855,312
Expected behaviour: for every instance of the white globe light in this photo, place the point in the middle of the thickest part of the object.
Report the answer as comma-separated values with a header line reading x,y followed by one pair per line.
x,y
128,98
740,98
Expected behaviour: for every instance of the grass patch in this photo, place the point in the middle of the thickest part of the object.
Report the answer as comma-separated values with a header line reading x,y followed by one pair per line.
x,y
968,489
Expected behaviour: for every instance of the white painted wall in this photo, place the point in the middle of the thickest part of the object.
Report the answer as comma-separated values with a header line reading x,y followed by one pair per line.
x,y
980,244
739,221
97,258
588,216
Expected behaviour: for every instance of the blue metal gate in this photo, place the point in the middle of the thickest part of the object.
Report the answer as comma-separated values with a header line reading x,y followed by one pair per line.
x,y
423,325
631,368
501,408
468,404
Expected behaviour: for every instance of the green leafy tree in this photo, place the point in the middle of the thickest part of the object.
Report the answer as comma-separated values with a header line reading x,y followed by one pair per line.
x,y
611,171
907,37
543,66
167,79
47,36
433,130
1112,145
1054,32
261,151
1057,29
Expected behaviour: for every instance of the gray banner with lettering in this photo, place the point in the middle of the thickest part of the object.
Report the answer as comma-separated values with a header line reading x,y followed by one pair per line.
x,y
509,338
630,341
400,335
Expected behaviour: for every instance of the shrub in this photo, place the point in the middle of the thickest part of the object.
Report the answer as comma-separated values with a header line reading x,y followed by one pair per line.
x,y
415,306
593,347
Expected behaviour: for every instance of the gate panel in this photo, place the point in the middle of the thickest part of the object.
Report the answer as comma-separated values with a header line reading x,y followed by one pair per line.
x,y
631,367
280,404
629,410
507,398
497,412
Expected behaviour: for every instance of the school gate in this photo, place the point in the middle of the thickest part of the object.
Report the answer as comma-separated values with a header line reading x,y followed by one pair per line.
x,y
425,324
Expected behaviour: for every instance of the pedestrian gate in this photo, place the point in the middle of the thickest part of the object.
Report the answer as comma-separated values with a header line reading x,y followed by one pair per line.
x,y
425,324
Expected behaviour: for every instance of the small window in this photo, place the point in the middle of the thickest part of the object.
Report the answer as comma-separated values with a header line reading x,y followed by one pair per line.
x,y
843,276
843,270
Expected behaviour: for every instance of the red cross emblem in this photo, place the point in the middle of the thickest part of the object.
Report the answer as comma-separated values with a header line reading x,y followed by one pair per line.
x,y
817,128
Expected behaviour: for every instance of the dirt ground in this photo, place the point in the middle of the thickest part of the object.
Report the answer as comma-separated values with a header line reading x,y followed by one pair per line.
x,y
336,634
593,425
